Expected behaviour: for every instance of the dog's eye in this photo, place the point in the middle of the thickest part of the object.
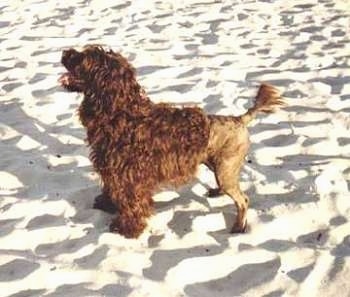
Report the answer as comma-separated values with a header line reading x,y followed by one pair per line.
x,y
114,63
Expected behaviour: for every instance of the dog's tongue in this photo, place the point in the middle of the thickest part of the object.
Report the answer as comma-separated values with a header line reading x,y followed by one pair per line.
x,y
64,79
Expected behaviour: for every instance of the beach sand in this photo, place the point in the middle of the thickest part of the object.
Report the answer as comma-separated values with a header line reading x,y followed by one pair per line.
x,y
205,52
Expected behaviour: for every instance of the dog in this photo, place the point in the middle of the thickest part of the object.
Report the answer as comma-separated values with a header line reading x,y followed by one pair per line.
x,y
138,146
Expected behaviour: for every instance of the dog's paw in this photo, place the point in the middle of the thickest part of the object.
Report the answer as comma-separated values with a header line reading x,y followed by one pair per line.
x,y
105,204
113,227
129,229
238,228
214,192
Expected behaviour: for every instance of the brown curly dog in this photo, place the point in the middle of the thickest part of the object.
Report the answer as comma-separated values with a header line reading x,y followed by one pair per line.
x,y
138,146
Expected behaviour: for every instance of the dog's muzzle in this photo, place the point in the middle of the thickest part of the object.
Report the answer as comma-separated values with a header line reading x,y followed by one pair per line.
x,y
71,58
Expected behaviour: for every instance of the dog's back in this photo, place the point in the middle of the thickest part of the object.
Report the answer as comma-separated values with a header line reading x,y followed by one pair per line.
x,y
170,141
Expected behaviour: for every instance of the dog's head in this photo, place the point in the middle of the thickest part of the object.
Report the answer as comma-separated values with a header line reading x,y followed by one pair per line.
x,y
107,80
94,68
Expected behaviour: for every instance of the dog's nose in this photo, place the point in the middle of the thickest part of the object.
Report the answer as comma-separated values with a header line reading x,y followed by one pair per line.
x,y
71,58
67,55
64,54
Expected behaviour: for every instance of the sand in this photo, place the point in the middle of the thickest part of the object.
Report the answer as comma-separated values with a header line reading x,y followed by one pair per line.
x,y
205,52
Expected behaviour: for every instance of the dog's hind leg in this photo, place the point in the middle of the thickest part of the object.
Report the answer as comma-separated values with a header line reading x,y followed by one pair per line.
x,y
133,210
227,172
214,192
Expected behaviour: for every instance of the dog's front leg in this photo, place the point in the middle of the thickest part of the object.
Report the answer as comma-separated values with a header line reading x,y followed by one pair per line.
x,y
103,202
133,210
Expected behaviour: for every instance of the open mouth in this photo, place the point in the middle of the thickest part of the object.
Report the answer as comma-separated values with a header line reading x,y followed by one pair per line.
x,y
66,79
71,60
70,82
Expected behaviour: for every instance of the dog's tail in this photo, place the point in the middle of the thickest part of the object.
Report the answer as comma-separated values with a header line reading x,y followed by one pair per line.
x,y
267,100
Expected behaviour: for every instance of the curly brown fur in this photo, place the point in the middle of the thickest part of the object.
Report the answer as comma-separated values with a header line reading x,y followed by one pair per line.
x,y
138,146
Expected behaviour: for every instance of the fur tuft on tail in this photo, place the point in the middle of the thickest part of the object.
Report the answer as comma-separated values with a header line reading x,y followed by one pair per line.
x,y
267,100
